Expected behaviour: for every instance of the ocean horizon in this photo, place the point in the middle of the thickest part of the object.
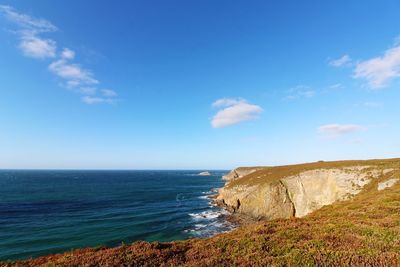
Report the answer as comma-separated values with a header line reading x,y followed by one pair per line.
x,y
52,211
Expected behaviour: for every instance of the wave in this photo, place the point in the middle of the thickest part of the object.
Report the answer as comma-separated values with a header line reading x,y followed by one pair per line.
x,y
211,191
209,229
206,215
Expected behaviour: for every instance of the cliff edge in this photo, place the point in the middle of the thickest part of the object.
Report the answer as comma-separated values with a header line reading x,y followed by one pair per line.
x,y
294,191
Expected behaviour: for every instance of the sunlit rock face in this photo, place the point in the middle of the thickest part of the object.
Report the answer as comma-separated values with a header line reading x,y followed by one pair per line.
x,y
311,190
293,195
387,184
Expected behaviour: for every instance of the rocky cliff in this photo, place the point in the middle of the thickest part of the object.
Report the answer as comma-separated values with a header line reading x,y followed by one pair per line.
x,y
239,173
297,190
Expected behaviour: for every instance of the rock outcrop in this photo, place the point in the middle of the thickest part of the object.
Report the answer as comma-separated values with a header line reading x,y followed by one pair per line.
x,y
387,184
239,173
295,191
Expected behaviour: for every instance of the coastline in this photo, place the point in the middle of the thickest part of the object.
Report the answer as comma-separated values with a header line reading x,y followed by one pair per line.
x,y
356,231
236,219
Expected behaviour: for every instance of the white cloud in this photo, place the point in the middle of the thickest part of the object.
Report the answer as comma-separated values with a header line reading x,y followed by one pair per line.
x,y
27,22
108,93
379,71
334,130
234,111
345,60
74,74
29,28
225,102
78,79
300,91
36,47
67,54
96,100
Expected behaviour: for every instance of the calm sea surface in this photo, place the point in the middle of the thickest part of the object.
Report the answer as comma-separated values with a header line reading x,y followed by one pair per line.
x,y
43,212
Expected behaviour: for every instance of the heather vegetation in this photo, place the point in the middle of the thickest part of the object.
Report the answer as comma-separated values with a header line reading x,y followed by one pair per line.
x,y
362,231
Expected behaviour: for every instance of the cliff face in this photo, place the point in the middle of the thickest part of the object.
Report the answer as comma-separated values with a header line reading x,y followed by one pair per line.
x,y
295,191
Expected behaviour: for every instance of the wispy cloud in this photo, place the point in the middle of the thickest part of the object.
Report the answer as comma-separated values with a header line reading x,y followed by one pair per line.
x,y
225,102
345,60
379,71
29,31
108,93
96,100
233,111
67,54
371,104
36,25
73,74
300,91
33,46
335,130
108,96
336,86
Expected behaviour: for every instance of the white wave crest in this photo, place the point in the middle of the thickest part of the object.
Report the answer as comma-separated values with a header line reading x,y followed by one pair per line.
x,y
207,215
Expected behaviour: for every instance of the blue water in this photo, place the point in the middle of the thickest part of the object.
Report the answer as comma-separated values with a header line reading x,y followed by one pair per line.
x,y
43,212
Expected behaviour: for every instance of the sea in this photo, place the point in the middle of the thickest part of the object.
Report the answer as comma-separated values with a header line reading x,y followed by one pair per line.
x,y
51,211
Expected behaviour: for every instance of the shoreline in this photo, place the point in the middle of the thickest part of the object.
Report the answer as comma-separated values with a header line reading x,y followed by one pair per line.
x,y
336,234
236,219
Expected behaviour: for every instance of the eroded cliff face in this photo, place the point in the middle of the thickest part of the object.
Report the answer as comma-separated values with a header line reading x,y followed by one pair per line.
x,y
261,193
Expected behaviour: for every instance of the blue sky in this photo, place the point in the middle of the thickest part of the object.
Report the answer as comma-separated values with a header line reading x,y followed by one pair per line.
x,y
197,84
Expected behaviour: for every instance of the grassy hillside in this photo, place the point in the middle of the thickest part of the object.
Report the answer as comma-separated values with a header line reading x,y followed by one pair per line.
x,y
363,231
